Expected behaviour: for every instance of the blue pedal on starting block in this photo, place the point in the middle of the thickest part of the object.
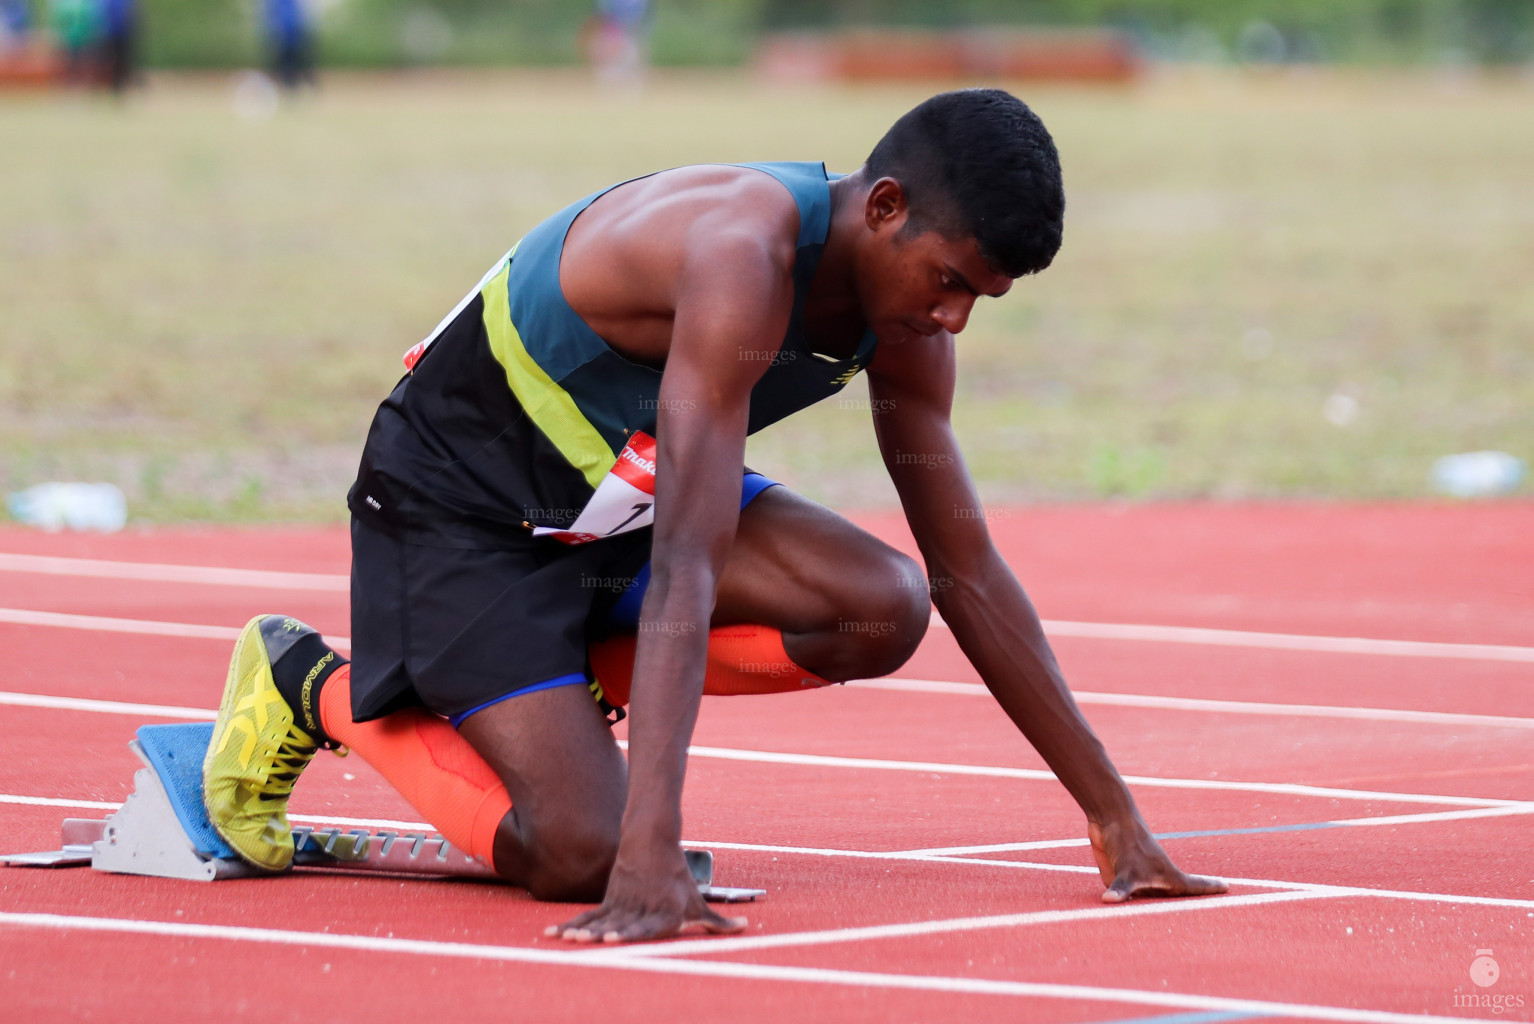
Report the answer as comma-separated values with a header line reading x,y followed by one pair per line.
x,y
162,830
176,753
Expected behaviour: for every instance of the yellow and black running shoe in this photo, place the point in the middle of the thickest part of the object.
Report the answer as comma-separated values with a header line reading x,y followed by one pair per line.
x,y
257,750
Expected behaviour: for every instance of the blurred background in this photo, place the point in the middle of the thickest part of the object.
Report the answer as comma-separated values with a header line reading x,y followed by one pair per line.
x,y
1298,256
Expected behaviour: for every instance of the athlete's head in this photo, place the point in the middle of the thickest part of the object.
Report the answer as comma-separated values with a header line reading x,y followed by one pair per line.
x,y
965,194
978,163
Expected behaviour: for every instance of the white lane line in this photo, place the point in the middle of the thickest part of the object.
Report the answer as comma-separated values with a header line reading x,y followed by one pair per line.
x,y
143,627
161,572
1277,641
935,768
1527,807
1384,819
896,855
105,707
715,968
27,617
317,819
865,763
50,801
105,624
727,944
1286,641
1082,869
1228,707
1053,627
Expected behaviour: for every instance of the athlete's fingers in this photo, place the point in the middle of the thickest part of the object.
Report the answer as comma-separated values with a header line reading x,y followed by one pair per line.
x,y
1204,885
605,925
649,927
718,924
577,925
574,924
1126,887
1120,891
589,930
661,925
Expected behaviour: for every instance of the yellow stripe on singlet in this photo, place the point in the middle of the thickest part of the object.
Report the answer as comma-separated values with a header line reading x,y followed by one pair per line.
x,y
548,405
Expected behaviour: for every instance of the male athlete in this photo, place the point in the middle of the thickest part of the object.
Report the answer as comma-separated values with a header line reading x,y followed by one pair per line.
x,y
551,517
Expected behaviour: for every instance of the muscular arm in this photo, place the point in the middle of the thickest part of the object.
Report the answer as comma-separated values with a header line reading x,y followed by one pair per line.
x,y
733,297
992,618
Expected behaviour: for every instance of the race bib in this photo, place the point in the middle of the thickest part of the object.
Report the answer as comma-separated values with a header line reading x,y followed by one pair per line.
x,y
624,500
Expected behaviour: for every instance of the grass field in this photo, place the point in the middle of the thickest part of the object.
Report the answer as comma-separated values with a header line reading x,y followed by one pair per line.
x,y
206,309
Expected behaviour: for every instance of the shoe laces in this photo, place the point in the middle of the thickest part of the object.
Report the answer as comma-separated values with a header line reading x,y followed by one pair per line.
x,y
293,754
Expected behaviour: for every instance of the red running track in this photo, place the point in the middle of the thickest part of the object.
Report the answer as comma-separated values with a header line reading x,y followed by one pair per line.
x,y
1372,804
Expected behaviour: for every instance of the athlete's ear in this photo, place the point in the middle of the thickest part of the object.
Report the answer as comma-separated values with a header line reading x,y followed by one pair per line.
x,y
886,206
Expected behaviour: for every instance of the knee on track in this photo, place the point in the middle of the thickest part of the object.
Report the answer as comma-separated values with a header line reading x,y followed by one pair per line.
x,y
573,867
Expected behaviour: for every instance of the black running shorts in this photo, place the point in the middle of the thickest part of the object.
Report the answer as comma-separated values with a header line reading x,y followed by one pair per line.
x,y
456,629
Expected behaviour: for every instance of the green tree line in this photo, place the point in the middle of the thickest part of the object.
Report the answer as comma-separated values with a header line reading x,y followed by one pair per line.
x,y
213,33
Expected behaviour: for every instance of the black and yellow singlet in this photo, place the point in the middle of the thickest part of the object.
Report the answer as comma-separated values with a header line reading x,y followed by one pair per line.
x,y
515,409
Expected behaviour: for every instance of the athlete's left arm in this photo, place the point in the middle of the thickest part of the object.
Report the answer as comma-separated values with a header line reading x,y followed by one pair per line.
x,y
911,384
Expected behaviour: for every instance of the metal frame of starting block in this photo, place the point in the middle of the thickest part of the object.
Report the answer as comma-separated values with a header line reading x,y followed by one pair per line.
x,y
147,836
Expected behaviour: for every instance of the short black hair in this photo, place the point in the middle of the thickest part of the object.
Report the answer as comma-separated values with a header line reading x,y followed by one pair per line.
x,y
978,163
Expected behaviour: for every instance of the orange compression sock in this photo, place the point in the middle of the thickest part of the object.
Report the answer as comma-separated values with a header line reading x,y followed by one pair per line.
x,y
423,757
741,660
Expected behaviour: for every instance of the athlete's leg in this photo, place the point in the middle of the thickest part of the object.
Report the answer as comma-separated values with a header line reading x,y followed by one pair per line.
x,y
425,759
805,598
568,782
533,784
849,605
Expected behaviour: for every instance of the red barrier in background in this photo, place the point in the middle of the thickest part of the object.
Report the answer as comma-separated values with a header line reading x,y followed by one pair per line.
x,y
1092,55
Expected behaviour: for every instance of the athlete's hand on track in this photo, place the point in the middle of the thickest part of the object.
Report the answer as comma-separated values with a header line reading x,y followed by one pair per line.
x,y
656,900
1132,864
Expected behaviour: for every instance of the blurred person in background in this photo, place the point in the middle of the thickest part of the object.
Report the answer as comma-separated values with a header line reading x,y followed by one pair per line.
x,y
289,36
614,39
78,26
119,42
15,25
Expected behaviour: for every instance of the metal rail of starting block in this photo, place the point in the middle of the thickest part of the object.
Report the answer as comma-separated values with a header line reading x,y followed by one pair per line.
x,y
161,830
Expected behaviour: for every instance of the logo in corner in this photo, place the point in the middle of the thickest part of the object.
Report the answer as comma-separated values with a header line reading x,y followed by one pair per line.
x,y
1484,971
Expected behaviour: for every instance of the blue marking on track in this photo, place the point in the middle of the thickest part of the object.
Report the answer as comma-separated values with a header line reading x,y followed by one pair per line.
x,y
1305,827
1198,1017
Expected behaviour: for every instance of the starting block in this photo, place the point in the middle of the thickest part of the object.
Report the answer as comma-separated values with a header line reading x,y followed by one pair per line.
x,y
162,830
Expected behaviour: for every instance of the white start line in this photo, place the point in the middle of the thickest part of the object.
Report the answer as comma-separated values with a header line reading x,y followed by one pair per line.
x,y
670,959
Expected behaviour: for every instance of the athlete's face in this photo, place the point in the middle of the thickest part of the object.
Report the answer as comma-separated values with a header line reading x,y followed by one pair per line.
x,y
919,283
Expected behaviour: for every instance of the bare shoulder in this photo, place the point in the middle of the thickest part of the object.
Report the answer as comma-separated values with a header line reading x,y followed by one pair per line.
x,y
700,209
632,256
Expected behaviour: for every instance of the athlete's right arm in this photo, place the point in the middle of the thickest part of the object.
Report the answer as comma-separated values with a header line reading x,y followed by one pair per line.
x,y
733,299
